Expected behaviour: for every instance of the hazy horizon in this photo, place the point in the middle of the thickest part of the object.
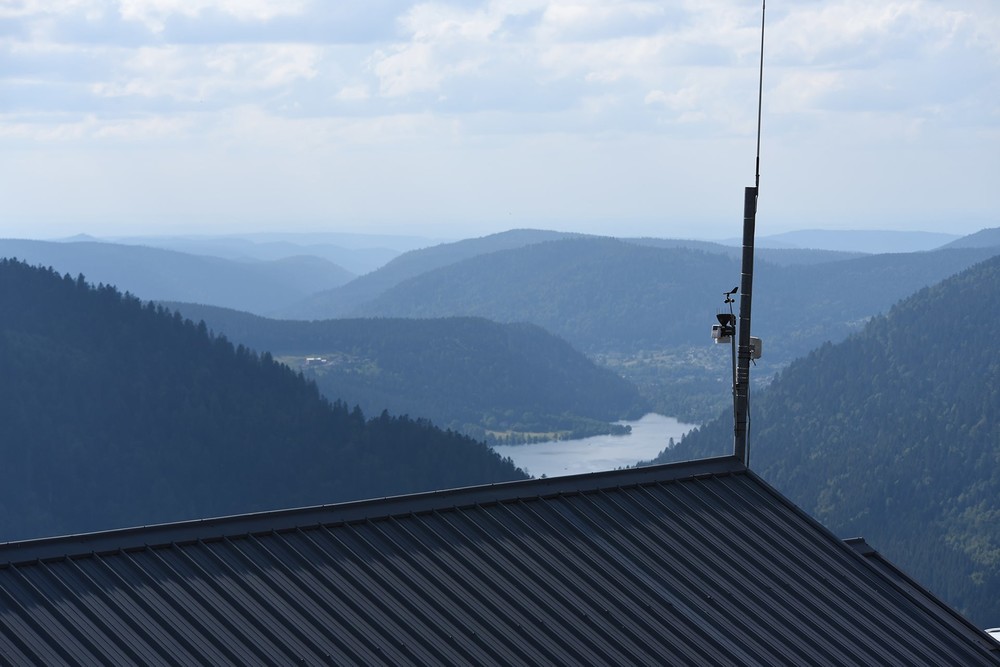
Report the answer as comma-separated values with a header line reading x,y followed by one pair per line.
x,y
453,120
880,240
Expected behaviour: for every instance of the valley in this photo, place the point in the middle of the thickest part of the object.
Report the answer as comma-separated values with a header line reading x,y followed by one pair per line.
x,y
543,345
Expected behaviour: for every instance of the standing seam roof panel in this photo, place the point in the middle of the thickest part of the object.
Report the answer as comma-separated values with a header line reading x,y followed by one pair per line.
x,y
66,627
160,635
218,590
602,639
564,544
311,622
510,613
695,563
213,624
115,616
681,603
836,593
819,569
470,633
353,630
764,587
669,590
387,627
871,592
796,576
781,579
177,621
501,571
687,557
30,641
929,607
464,587
631,595
814,570
553,570
377,572
433,620
739,581
877,604
262,612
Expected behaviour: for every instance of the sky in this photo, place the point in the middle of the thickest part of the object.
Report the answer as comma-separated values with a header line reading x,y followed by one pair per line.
x,y
458,119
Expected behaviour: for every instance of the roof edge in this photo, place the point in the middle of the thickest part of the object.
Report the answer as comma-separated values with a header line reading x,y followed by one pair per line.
x,y
164,534
923,596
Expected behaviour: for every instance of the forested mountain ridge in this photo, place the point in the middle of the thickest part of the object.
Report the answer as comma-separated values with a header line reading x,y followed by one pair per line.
x,y
894,434
492,381
798,308
167,275
341,301
641,307
776,256
116,413
355,260
984,238
874,241
597,293
646,312
603,294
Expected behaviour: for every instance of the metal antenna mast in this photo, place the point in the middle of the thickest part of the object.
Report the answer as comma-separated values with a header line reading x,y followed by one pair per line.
x,y
746,349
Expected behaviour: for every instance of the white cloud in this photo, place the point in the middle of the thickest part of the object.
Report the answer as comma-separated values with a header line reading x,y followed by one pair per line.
x,y
266,65
200,73
861,34
90,128
21,8
478,90
589,20
154,13
801,90
434,22
354,93
443,42
408,69
932,61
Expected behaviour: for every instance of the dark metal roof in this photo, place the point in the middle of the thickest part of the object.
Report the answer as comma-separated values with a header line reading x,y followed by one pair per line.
x,y
694,563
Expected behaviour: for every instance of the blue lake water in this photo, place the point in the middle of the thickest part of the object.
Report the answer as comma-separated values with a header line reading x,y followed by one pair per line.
x,y
650,435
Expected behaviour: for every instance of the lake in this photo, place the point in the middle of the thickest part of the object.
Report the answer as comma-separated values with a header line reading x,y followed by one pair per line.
x,y
650,435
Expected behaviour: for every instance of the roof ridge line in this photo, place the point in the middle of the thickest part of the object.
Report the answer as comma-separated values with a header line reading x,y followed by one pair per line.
x,y
137,538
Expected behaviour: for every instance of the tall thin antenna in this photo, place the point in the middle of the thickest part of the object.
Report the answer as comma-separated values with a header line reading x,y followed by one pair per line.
x,y
760,92
741,387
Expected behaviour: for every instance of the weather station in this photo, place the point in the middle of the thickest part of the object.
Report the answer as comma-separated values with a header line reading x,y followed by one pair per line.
x,y
745,348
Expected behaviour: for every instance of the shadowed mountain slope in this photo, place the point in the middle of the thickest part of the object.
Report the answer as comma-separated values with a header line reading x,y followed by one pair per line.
x,y
116,413
984,238
346,299
341,301
598,293
894,434
467,374
603,295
